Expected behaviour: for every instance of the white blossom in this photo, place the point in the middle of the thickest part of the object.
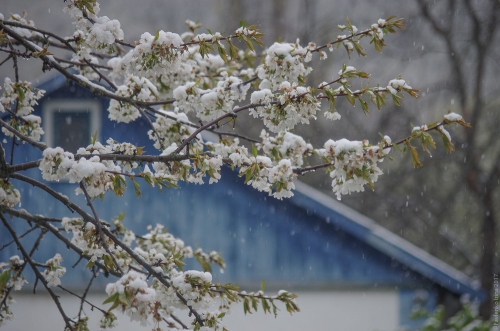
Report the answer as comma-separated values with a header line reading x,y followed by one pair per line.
x,y
54,271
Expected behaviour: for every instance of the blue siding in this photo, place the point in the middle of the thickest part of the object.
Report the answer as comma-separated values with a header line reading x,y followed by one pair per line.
x,y
259,237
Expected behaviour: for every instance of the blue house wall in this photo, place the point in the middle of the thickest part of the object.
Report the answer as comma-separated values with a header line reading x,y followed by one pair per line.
x,y
308,241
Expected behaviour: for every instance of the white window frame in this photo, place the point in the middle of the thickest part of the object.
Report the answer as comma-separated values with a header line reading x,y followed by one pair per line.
x,y
67,106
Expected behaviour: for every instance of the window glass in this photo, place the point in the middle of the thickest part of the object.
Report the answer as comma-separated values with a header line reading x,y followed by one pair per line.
x,y
70,123
71,130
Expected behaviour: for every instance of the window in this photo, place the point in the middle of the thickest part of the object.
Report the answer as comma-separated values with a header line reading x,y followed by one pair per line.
x,y
70,124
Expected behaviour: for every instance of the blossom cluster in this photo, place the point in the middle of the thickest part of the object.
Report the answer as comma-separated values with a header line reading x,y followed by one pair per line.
x,y
20,98
87,237
137,88
172,128
103,33
57,164
285,145
154,55
26,33
11,278
354,163
213,103
295,104
54,271
9,195
284,62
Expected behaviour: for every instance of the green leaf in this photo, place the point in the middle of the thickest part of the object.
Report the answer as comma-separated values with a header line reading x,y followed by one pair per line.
x,y
348,23
137,188
414,155
351,99
246,306
222,52
89,264
364,106
20,93
395,99
233,51
94,137
427,140
263,285
248,175
255,304
112,298
265,306
254,150
448,145
248,42
398,148
4,279
205,265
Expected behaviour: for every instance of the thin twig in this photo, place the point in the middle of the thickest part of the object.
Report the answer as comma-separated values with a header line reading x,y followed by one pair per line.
x,y
99,227
32,251
43,222
39,276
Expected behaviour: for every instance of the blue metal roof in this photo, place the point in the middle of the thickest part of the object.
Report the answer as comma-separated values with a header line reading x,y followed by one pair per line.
x,y
368,231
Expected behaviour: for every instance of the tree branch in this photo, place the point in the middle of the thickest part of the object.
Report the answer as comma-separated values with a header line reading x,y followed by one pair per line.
x,y
39,276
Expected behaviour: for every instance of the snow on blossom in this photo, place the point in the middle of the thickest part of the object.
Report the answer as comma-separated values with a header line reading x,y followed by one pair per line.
x,y
117,68
104,32
20,94
55,163
239,155
207,37
9,195
263,96
453,117
83,54
282,175
285,145
187,97
213,103
139,299
94,174
244,31
354,164
25,33
295,105
171,171
210,63
76,10
122,149
347,69
121,111
224,147
185,283
213,166
16,279
444,132
162,242
54,271
154,55
284,62
136,88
